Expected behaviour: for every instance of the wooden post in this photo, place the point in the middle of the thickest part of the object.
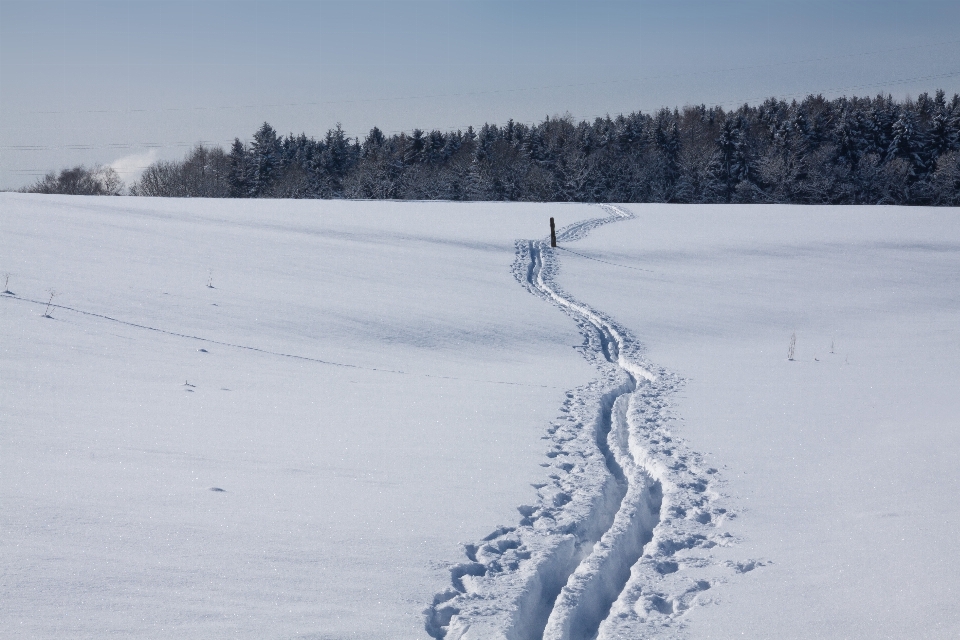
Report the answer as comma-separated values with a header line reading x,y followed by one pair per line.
x,y
553,234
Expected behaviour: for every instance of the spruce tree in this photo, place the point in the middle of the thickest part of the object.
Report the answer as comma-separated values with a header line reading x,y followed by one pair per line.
x,y
238,176
265,156
909,143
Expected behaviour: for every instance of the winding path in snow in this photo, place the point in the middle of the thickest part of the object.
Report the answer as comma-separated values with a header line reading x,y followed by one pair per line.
x,y
593,587
596,555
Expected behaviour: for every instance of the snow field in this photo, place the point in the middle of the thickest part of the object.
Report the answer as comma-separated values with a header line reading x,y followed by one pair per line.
x,y
838,468
281,418
347,489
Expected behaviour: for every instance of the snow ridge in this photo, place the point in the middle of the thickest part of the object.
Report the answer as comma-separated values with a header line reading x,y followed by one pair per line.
x,y
615,542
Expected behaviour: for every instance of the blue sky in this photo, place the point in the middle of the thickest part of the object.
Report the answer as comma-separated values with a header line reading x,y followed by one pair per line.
x,y
128,82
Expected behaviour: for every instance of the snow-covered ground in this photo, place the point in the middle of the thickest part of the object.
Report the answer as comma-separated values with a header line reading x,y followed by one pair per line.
x,y
843,466
346,488
320,419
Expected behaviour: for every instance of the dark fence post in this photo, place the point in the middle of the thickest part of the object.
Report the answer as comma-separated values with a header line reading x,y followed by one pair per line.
x,y
553,234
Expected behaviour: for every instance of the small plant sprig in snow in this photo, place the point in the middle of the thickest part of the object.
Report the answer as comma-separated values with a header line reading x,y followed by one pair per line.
x,y
793,345
46,312
6,285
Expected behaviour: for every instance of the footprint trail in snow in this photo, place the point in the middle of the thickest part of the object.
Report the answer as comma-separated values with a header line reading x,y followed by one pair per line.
x,y
617,542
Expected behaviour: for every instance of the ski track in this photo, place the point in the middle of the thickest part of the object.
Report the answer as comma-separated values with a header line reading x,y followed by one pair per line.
x,y
617,543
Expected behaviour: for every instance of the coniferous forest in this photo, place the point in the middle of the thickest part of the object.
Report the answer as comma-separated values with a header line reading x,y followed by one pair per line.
x,y
815,151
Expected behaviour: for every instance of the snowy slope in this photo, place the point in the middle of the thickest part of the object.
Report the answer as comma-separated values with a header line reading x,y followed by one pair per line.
x,y
346,488
842,466
373,383
624,505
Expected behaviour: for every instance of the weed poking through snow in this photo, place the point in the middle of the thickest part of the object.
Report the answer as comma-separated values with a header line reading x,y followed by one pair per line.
x,y
793,346
46,312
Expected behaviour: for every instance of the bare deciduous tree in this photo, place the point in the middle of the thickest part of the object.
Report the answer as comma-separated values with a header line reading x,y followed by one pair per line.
x,y
80,181
202,174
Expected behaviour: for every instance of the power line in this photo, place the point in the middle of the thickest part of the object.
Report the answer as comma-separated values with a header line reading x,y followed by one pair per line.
x,y
613,264
161,145
271,353
499,91
851,88
111,145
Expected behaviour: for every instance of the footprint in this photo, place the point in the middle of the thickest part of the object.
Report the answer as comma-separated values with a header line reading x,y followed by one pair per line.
x,y
745,566
666,567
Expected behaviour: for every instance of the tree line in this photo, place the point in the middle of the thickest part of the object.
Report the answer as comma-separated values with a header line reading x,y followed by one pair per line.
x,y
814,151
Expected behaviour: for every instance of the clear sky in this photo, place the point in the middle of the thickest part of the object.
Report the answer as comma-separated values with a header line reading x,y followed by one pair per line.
x,y
128,82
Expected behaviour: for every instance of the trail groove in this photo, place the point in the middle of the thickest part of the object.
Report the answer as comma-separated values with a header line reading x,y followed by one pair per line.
x,y
594,556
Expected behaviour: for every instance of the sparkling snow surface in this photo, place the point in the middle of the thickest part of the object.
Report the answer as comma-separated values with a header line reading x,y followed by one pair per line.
x,y
844,467
346,490
190,457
